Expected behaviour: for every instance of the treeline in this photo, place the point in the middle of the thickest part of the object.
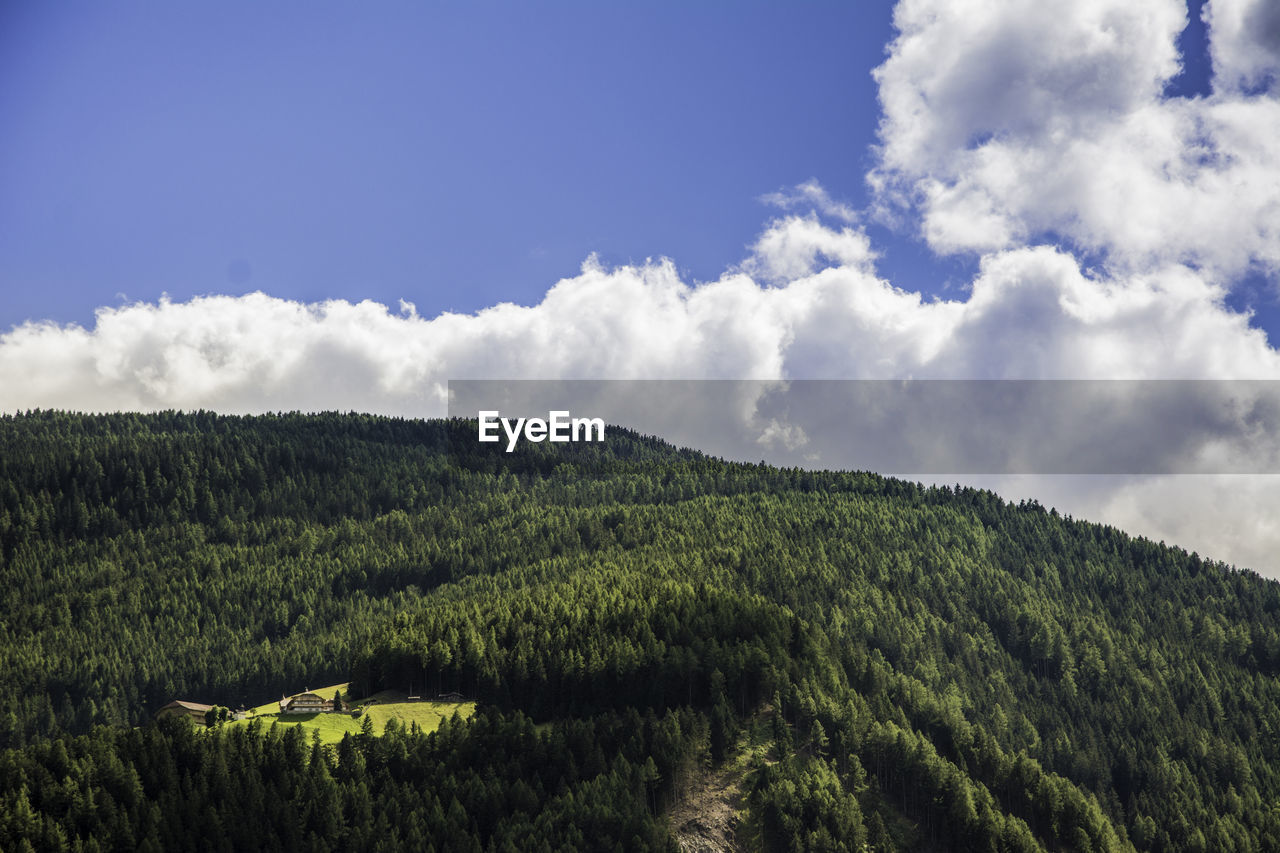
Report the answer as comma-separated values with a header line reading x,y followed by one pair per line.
x,y
937,667
493,783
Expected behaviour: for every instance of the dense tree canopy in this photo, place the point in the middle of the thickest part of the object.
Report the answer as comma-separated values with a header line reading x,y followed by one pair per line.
x,y
929,666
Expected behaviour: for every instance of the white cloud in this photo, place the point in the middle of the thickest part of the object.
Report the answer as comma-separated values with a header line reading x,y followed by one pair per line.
x,y
962,73
1008,121
1217,516
1245,43
795,247
811,195
1032,313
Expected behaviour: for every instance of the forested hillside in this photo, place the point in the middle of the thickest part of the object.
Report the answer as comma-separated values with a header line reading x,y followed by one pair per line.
x,y
905,667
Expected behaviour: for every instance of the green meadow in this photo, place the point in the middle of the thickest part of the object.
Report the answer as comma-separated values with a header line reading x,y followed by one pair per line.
x,y
380,708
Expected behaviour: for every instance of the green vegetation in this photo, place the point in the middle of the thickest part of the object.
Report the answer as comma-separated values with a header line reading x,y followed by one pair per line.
x,y
909,667
387,705
427,716
329,727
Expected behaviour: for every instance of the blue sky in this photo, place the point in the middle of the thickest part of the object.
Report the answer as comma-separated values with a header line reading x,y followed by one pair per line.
x,y
454,155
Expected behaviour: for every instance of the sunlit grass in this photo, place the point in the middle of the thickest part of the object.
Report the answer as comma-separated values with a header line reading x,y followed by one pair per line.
x,y
426,714
331,727
380,708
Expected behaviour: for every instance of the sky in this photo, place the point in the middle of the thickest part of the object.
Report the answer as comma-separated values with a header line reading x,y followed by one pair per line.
x,y
454,155
331,206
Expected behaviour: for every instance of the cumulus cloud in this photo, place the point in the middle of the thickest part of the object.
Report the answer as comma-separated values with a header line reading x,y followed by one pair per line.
x,y
1014,122
795,247
811,195
959,74
1031,314
1109,220
1245,43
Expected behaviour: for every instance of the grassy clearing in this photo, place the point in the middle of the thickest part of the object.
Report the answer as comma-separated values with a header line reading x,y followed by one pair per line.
x,y
380,707
331,727
426,714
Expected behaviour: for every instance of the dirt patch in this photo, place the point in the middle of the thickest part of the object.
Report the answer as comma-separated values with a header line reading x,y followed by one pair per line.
x,y
706,820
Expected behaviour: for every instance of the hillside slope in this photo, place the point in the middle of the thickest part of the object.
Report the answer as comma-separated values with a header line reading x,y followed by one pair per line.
x,y
912,667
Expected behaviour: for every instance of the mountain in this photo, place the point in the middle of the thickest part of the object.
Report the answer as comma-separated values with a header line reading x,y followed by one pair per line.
x,y
664,649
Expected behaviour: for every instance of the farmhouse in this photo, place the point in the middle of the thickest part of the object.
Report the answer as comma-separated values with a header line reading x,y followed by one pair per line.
x,y
305,703
177,708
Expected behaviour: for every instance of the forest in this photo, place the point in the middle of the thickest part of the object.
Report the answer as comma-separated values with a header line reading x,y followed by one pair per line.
x,y
873,664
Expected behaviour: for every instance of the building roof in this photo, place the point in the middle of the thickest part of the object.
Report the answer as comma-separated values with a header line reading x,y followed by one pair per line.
x,y
178,704
303,700
190,706
308,697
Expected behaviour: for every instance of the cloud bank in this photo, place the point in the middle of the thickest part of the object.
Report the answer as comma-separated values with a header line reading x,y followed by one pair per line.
x,y
807,303
1110,222
1015,122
